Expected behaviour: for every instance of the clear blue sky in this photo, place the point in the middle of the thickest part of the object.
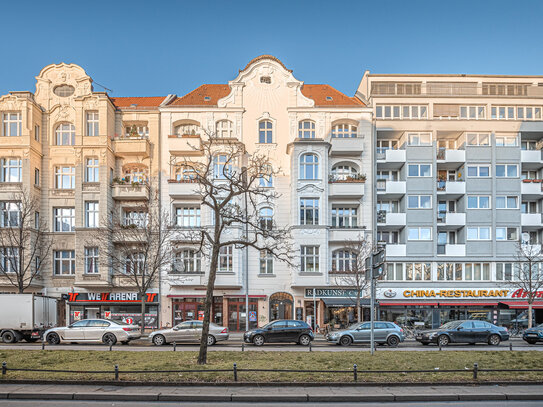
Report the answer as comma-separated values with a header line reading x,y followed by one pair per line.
x,y
153,48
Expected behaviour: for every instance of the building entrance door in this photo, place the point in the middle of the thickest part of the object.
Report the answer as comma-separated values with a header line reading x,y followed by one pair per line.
x,y
237,314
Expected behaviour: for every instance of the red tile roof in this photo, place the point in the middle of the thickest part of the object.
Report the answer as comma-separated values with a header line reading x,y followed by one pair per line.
x,y
318,93
139,102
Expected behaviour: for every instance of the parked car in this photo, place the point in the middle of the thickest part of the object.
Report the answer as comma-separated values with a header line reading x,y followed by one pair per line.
x,y
284,330
93,330
471,331
533,335
384,332
189,331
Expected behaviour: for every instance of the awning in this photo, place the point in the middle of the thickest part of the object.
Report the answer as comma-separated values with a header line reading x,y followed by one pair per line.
x,y
404,303
470,304
243,296
344,302
522,304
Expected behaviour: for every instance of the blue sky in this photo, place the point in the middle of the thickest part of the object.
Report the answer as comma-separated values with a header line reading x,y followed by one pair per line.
x,y
152,48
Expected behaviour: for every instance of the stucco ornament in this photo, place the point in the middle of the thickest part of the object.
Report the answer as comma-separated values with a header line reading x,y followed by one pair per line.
x,y
10,103
64,113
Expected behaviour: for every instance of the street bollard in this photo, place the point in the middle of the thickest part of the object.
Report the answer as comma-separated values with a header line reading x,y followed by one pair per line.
x,y
4,368
235,372
475,371
510,345
310,350
110,346
439,346
355,372
42,345
243,346
116,372
174,346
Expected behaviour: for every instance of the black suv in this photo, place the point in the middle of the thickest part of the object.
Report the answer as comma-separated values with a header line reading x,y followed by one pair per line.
x,y
283,330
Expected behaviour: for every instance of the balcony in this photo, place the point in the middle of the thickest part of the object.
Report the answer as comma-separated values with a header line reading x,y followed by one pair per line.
x,y
347,146
130,192
132,146
531,221
183,189
531,189
391,219
184,144
346,234
531,159
393,189
392,159
395,250
451,156
346,188
451,249
451,220
453,188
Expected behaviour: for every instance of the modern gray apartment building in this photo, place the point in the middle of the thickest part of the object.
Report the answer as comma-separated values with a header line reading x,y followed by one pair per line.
x,y
458,184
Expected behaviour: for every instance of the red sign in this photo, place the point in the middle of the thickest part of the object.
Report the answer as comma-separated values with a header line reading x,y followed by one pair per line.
x,y
200,315
520,293
77,315
129,321
111,297
107,314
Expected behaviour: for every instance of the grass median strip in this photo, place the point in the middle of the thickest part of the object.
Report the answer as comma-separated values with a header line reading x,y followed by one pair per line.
x,y
337,361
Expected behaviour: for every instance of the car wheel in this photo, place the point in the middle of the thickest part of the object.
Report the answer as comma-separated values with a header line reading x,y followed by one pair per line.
x,y
211,340
443,340
53,338
9,337
258,340
109,339
159,340
532,342
304,340
494,340
393,341
345,340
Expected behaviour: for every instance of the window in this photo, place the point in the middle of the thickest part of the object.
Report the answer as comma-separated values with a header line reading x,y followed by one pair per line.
x,y
478,202
309,211
516,112
9,259
64,90
184,174
12,124
187,261
222,167
11,214
265,218
504,271
472,112
135,218
36,177
344,217
419,201
265,132
482,171
528,207
224,129
343,172
507,202
92,214
506,141
265,79
478,139
420,170
344,130
309,259
419,139
64,262
12,170
344,260
309,166
306,129
478,233
386,237
266,262
91,260
510,234
265,180
188,217
418,271
424,233
65,134
135,264
92,170
93,124
449,271
226,259
37,132
139,131
477,271
64,219
135,174
507,171
388,175
401,112
394,271
65,177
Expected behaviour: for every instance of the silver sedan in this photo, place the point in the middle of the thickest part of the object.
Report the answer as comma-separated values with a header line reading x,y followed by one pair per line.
x,y
189,331
93,330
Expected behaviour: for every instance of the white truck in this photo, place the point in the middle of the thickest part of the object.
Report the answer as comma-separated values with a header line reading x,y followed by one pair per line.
x,y
26,316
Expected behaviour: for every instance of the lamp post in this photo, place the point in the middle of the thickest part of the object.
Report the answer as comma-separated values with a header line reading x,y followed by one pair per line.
x,y
246,259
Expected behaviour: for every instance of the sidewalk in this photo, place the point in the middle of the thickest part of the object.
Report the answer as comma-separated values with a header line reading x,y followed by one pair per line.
x,y
223,393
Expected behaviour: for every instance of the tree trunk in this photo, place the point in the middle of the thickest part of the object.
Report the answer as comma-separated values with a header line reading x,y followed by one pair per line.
x,y
358,309
142,313
202,356
529,315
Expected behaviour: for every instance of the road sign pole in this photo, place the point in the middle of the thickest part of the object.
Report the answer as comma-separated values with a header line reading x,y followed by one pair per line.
x,y
372,305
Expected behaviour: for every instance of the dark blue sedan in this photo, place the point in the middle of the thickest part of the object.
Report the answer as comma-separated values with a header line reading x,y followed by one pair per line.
x,y
471,331
533,335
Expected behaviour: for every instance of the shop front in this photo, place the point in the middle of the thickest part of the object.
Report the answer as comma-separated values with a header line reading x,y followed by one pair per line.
x,y
124,306
430,308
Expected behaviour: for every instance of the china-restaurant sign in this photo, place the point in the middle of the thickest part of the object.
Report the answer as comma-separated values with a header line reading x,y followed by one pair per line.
x,y
111,297
448,293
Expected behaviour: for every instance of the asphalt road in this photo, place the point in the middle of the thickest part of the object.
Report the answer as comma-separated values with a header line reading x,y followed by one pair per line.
x,y
75,403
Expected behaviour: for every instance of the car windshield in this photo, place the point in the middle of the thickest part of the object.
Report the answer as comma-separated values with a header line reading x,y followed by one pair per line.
x,y
451,325
354,326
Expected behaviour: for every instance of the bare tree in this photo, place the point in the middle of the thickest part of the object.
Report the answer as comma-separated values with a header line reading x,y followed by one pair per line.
x,y
225,177
528,276
136,248
352,274
25,241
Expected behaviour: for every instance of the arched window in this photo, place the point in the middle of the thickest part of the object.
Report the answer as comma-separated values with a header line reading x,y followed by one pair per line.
x,y
265,132
265,216
135,174
137,131
65,134
342,172
221,166
344,260
309,166
224,129
344,130
190,129
187,261
184,174
306,129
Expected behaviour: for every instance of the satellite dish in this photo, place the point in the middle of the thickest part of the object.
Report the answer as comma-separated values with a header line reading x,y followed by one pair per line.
x,y
525,237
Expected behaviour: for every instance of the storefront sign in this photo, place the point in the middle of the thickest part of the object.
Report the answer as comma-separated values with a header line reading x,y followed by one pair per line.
x,y
447,293
455,293
111,297
107,314
77,315
330,293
